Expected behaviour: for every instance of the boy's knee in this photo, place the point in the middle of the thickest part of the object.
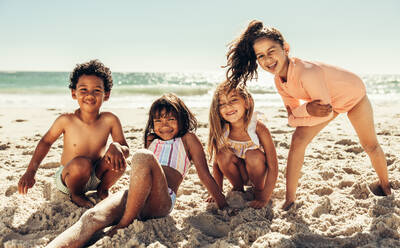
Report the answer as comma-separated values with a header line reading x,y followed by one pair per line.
x,y
79,167
143,157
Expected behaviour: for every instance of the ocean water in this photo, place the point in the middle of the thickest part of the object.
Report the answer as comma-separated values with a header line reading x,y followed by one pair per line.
x,y
50,89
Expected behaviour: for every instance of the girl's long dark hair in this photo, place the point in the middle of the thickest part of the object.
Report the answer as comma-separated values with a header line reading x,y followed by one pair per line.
x,y
174,105
241,59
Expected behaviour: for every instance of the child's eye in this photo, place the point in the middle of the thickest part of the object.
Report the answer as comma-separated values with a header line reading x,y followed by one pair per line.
x,y
171,119
156,120
260,56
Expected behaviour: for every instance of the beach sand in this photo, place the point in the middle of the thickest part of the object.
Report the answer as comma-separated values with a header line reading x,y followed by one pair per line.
x,y
337,203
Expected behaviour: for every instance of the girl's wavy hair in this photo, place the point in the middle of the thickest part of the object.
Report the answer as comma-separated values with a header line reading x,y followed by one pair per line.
x,y
242,61
216,140
172,104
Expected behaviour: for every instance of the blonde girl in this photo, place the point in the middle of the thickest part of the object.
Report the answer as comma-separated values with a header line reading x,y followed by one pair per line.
x,y
241,145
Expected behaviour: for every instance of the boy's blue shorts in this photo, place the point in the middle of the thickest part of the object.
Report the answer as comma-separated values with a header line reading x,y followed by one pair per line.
x,y
92,183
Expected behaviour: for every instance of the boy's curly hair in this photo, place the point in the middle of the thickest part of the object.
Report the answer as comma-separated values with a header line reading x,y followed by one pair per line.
x,y
93,67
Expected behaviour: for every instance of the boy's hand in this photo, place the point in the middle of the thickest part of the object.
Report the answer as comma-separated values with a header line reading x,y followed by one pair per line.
x,y
25,182
315,108
115,157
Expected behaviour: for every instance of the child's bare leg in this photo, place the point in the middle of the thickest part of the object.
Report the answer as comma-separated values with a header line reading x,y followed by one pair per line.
x,y
229,164
104,214
301,137
148,189
75,176
257,171
361,117
107,176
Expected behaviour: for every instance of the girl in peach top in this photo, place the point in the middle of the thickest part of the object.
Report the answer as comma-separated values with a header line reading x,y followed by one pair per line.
x,y
326,90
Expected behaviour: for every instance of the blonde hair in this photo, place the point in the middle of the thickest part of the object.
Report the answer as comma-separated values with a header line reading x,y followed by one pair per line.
x,y
216,139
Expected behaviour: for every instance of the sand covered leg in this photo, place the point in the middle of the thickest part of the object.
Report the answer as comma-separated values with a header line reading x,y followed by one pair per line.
x,y
105,213
361,117
148,189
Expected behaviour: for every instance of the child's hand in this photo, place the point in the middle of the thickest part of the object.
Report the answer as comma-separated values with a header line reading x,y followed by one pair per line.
x,y
315,108
26,181
115,157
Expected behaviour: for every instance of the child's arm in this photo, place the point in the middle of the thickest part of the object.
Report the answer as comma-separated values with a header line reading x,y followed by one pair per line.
x,y
218,176
28,179
311,113
118,149
271,158
199,159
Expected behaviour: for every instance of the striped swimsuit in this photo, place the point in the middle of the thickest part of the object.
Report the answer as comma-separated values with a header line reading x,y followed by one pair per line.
x,y
171,153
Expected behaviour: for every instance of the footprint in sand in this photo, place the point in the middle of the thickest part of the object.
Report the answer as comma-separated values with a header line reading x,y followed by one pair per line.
x,y
11,190
323,191
345,142
360,191
355,150
350,170
209,225
4,146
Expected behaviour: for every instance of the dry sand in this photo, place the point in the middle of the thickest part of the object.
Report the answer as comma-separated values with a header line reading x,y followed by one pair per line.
x,y
336,206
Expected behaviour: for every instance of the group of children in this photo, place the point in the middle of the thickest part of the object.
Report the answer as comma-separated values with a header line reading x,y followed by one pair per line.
x,y
239,144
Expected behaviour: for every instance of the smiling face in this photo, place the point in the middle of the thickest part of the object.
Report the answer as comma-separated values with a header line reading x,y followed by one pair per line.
x,y
232,107
90,93
271,56
166,125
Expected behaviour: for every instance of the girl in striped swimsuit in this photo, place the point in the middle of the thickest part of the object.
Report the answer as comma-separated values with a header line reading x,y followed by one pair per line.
x,y
156,175
242,145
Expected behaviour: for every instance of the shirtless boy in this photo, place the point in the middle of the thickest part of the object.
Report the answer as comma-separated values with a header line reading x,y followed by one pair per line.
x,y
86,162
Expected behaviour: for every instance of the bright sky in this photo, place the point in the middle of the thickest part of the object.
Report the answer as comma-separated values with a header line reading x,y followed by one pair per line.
x,y
186,36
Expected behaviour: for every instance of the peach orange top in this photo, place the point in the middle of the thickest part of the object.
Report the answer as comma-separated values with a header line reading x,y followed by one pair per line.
x,y
308,81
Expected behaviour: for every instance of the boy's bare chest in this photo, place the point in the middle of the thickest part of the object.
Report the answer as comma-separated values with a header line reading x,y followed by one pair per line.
x,y
86,138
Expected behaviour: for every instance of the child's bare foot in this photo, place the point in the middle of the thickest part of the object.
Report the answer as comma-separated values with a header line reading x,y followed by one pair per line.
x,y
386,189
287,205
102,193
259,199
82,201
257,204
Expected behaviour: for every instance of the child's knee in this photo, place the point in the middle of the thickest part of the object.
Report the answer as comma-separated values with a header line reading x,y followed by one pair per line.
x,y
90,219
143,158
371,148
224,158
299,140
78,167
255,161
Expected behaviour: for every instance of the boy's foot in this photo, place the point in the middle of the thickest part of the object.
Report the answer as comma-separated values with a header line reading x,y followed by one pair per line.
x,y
287,205
102,193
82,201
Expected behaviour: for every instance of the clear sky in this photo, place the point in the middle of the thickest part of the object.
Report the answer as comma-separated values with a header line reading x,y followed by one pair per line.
x,y
191,36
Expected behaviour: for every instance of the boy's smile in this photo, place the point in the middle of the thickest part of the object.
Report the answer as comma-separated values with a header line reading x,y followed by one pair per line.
x,y
90,93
